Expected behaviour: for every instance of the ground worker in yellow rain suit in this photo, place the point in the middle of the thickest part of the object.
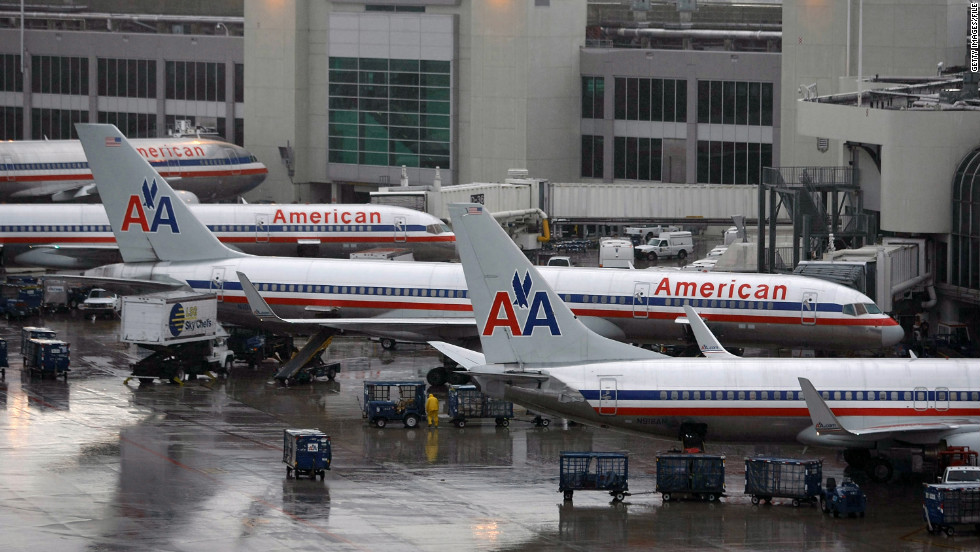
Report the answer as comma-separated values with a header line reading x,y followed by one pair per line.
x,y
432,410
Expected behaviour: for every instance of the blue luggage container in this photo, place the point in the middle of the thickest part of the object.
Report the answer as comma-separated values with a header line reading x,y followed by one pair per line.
x,y
767,478
594,471
306,452
695,475
946,505
48,357
467,402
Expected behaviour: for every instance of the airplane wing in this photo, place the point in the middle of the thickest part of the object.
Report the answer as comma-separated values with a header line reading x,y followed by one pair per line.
x,y
121,286
70,256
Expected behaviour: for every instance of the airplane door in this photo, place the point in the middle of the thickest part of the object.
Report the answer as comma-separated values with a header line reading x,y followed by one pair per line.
x,y
217,285
920,398
401,229
641,299
808,309
262,228
232,161
608,395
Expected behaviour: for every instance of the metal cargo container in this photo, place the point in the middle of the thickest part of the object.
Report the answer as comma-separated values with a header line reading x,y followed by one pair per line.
x,y
767,478
946,505
169,317
307,452
466,401
593,471
691,474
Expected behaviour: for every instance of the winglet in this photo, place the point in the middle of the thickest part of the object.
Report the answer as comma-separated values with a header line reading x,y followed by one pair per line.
x,y
707,342
824,420
260,308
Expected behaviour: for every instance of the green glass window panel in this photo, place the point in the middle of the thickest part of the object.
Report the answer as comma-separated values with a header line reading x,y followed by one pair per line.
x,y
717,103
405,92
343,76
403,158
670,111
435,121
405,119
632,104
403,79
372,77
373,131
435,108
373,104
405,106
343,89
343,156
374,118
657,100
343,63
342,143
343,116
741,107
436,134
755,103
403,146
373,145
728,91
433,161
435,80
434,148
341,102
430,66
681,105
435,94
704,101
373,64
410,65
372,91
404,133
342,130
643,100
370,158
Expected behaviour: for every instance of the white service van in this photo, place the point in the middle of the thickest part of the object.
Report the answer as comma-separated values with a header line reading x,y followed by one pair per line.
x,y
666,245
615,253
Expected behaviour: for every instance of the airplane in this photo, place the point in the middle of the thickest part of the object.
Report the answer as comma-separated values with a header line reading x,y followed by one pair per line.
x,y
78,235
422,301
56,170
538,354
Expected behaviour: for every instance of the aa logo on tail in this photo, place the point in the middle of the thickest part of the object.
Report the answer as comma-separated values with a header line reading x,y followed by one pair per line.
x,y
535,310
138,212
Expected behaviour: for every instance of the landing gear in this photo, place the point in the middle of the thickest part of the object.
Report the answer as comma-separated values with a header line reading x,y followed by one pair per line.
x,y
880,469
857,458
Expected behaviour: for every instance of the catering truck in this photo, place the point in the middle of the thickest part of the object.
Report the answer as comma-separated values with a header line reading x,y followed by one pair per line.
x,y
177,335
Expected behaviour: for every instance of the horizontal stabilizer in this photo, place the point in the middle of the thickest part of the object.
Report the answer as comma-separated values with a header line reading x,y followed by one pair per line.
x,y
464,357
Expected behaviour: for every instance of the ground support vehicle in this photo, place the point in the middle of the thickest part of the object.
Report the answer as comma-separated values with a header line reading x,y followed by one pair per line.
x,y
47,357
59,296
14,309
844,499
3,358
100,302
594,471
20,298
306,452
177,335
254,347
946,505
695,475
666,245
467,402
385,401
307,364
767,478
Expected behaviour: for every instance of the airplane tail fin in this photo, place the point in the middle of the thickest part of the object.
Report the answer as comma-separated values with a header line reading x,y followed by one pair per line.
x,y
707,342
149,220
519,317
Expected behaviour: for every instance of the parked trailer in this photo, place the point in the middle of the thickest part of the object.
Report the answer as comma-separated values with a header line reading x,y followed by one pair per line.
x,y
48,357
594,471
696,475
767,478
467,402
306,452
947,505
385,401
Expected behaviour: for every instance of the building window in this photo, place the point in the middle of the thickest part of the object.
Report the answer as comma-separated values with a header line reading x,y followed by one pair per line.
x,y
732,162
593,97
637,158
651,100
591,156
239,83
195,80
11,123
132,125
735,103
127,78
390,112
59,75
964,247
11,79
56,124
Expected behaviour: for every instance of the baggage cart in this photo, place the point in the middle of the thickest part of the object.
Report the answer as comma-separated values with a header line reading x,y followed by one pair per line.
x,y
48,357
695,475
594,471
946,505
844,499
767,478
467,402
385,401
30,332
306,452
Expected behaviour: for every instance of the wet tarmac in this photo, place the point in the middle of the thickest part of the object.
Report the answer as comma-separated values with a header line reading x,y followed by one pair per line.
x,y
94,464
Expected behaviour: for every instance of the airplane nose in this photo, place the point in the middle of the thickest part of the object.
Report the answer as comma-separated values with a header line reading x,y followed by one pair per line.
x,y
891,335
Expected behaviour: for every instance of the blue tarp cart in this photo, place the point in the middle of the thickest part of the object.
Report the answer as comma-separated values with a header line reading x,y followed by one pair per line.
x,y
946,505
466,402
385,401
844,499
767,478
594,471
695,475
306,452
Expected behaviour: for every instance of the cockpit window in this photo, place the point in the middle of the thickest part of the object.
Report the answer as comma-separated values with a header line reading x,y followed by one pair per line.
x,y
872,308
437,228
857,309
848,309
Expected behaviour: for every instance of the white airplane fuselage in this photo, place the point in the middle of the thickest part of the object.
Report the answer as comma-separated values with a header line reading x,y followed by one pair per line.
x,y
626,305
44,235
38,170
